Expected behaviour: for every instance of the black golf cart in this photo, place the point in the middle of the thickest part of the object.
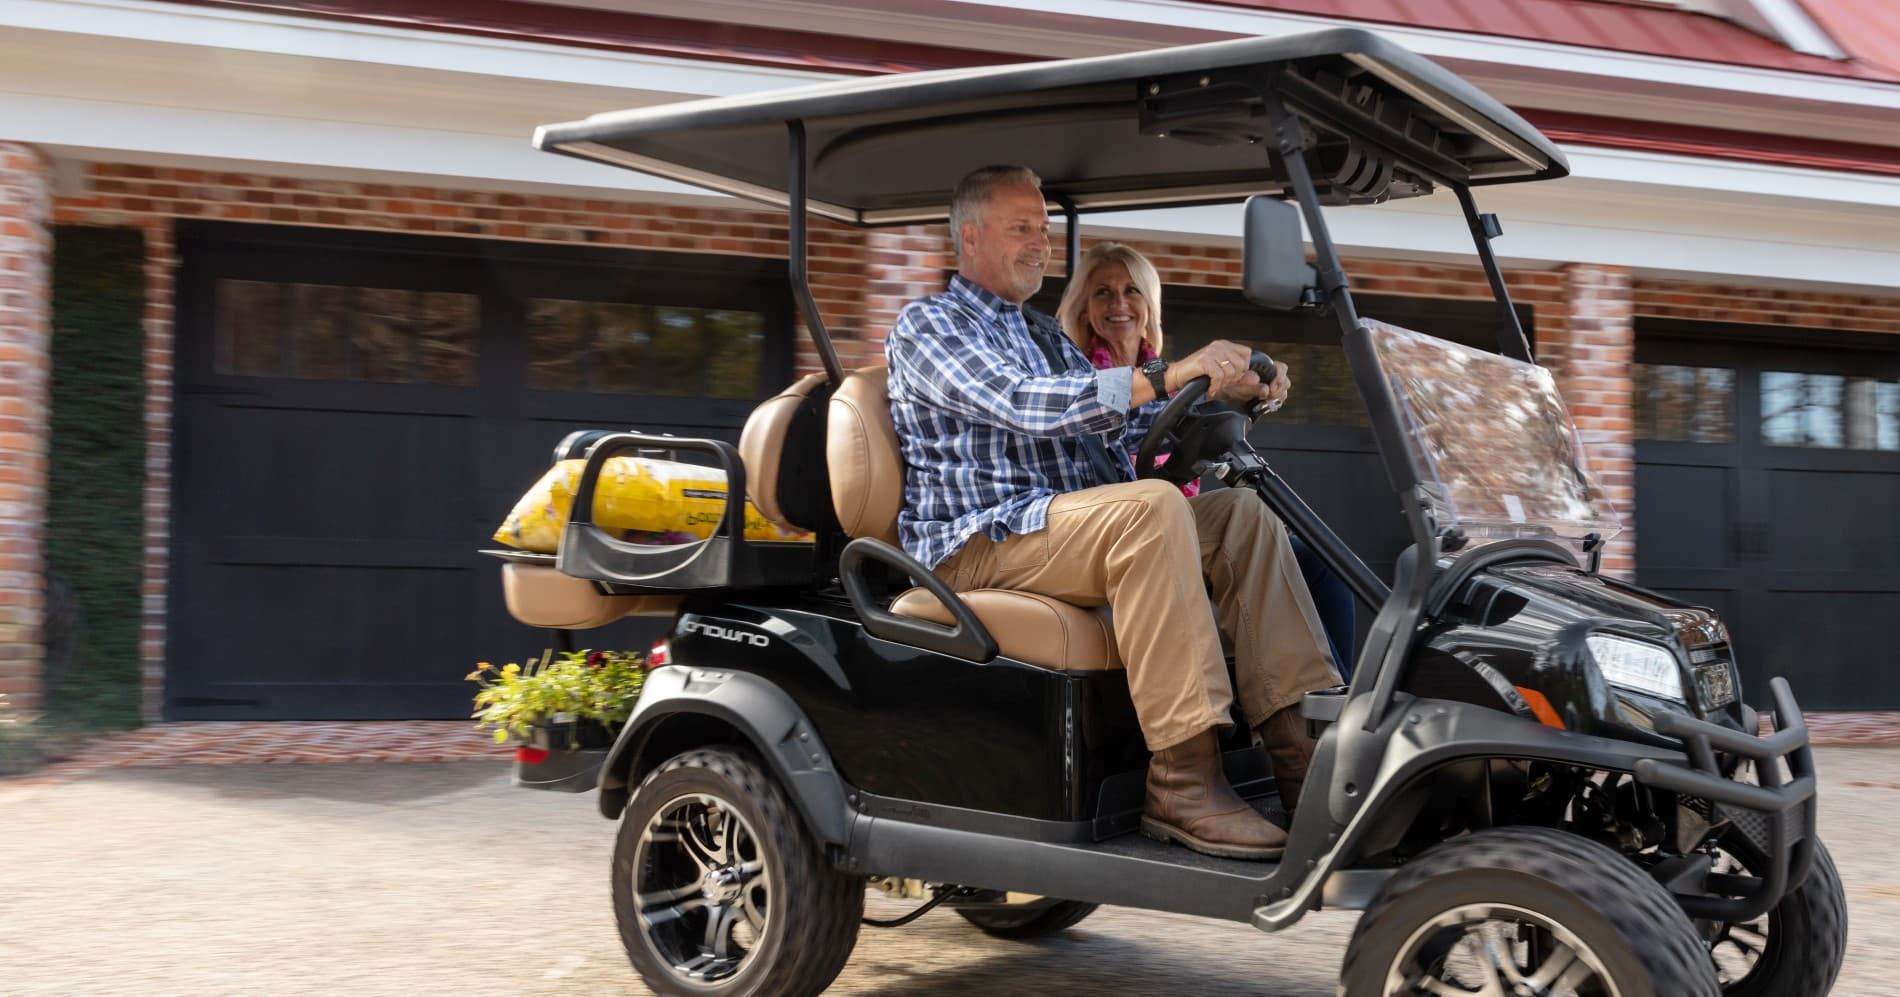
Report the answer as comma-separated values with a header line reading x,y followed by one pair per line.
x,y
1540,781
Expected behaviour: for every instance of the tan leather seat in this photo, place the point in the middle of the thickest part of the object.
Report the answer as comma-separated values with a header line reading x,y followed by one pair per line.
x,y
867,487
542,596
782,447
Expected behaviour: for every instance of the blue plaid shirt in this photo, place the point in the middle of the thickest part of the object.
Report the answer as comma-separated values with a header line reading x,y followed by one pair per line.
x,y
987,426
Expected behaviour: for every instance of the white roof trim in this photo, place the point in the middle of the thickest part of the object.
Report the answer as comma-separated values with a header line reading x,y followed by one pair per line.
x,y
1782,20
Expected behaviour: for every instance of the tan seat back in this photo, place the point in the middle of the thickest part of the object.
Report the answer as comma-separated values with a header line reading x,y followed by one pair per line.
x,y
867,487
782,447
866,461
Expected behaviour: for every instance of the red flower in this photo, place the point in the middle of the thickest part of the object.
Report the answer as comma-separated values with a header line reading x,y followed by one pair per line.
x,y
595,659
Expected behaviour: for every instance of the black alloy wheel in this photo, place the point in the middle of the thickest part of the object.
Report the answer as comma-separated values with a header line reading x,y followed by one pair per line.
x,y
719,890
1525,912
1794,950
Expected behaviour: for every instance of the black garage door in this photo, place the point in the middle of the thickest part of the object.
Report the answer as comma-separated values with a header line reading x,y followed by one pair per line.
x,y
356,414
1768,487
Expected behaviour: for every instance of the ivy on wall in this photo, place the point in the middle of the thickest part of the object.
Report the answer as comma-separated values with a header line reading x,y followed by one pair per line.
x,y
96,477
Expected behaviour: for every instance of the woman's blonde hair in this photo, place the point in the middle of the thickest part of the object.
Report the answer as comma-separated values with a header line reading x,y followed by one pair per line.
x,y
1073,312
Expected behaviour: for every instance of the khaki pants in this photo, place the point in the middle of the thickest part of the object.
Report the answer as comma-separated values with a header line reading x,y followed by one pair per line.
x,y
1145,549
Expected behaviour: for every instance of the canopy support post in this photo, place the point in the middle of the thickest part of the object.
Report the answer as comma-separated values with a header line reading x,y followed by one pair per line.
x,y
1511,339
796,252
1383,659
1074,233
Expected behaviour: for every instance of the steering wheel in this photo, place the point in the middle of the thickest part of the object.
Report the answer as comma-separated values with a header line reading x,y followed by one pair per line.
x,y
1170,427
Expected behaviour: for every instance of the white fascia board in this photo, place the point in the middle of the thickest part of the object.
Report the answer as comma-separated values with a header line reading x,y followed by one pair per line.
x,y
307,147
1693,174
1656,231
251,31
1493,52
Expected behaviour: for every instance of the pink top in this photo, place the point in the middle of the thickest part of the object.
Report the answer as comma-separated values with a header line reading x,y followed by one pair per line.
x,y
1103,357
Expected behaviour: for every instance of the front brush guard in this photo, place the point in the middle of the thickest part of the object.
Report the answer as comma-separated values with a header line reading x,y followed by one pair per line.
x,y
1785,806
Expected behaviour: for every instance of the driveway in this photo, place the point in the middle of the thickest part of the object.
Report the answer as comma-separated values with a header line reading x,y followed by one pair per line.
x,y
441,878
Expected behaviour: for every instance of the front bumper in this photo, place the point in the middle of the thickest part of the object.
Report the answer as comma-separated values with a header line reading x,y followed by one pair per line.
x,y
1778,814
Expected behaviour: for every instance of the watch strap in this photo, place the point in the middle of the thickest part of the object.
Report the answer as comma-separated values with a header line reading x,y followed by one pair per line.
x,y
1157,375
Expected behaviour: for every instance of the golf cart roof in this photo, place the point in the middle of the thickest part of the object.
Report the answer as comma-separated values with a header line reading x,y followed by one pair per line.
x,y
1167,127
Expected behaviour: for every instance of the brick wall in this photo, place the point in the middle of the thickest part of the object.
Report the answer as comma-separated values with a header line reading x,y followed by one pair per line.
x,y
25,301
1766,306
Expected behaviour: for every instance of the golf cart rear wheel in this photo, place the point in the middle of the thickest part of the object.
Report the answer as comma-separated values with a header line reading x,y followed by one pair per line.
x,y
1525,910
1037,919
718,889
1795,950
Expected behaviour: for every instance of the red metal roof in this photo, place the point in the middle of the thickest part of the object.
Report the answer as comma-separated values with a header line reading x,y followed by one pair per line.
x,y
643,33
1619,25
1867,30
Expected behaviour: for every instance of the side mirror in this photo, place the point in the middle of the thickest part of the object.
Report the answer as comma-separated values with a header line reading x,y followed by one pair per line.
x,y
1276,274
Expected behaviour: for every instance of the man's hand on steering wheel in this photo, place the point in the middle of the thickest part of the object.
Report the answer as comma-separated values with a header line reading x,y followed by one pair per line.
x,y
1170,430
1224,364
1271,392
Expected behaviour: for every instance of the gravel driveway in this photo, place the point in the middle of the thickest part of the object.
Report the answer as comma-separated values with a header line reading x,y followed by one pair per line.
x,y
443,879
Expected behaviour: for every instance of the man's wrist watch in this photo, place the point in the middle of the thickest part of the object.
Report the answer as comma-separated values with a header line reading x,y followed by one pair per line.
x,y
1155,369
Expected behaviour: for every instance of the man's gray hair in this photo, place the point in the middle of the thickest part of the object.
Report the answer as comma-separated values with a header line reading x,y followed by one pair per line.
x,y
973,191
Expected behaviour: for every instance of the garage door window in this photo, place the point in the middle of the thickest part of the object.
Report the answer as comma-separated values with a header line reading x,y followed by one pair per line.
x,y
1324,393
645,349
1829,411
1684,404
332,332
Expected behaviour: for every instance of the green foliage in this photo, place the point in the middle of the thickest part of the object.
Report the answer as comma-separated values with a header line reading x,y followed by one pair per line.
x,y
19,751
601,686
96,477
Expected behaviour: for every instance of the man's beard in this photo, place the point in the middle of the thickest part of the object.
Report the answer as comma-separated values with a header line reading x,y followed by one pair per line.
x,y
1029,286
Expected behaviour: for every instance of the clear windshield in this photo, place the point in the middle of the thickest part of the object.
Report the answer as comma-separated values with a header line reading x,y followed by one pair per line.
x,y
1494,443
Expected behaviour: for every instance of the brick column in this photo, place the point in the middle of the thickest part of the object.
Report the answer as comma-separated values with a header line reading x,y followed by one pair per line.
x,y
1591,356
161,265
25,324
901,265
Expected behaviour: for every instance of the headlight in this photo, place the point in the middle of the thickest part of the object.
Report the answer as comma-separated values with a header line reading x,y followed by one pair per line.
x,y
1636,665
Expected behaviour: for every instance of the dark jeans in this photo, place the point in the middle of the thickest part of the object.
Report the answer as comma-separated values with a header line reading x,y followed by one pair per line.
x,y
1333,600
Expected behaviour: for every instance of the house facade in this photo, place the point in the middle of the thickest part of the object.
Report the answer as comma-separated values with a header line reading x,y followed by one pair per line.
x,y
290,313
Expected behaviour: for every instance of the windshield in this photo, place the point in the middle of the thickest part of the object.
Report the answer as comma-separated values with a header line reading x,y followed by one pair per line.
x,y
1495,446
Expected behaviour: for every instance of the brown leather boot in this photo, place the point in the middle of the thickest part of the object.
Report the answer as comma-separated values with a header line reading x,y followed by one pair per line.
x,y
1189,801
1290,751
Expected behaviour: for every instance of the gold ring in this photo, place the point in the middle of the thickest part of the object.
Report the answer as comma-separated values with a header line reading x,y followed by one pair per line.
x,y
1226,363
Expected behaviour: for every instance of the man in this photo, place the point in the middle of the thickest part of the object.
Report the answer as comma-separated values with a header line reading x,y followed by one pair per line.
x,y
1004,489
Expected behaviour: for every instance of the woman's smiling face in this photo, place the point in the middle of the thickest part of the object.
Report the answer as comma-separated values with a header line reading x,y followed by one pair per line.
x,y
1117,310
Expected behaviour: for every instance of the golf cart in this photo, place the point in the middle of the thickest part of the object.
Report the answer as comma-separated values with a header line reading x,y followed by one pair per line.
x,y
1540,780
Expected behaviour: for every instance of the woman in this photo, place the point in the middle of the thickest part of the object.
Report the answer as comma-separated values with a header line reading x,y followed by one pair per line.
x,y
1112,311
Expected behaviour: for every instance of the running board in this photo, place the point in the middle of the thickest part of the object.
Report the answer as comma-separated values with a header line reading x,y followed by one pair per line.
x,y
1128,871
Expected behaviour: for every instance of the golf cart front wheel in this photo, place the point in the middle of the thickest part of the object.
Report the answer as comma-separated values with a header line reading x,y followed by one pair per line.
x,y
1527,911
1794,950
718,889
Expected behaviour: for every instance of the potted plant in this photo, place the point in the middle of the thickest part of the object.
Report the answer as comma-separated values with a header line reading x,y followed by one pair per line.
x,y
564,711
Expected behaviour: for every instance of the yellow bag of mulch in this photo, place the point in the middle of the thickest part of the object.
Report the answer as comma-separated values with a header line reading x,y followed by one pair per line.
x,y
641,499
